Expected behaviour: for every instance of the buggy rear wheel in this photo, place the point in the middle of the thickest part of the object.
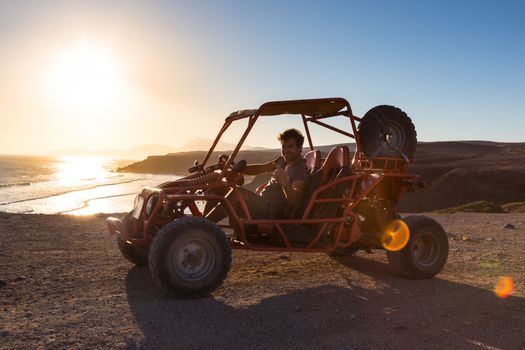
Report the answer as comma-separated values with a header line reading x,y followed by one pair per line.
x,y
426,251
134,254
387,131
190,257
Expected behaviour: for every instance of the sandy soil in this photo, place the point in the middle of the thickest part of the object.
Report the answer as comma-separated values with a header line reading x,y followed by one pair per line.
x,y
64,285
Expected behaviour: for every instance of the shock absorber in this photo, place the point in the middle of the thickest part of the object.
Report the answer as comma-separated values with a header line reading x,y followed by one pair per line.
x,y
204,179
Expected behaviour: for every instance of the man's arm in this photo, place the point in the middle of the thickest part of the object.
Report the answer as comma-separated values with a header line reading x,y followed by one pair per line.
x,y
256,169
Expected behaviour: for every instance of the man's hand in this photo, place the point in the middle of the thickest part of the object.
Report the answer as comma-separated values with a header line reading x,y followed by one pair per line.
x,y
280,175
292,191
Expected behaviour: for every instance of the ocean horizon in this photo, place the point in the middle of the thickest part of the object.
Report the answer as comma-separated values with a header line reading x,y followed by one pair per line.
x,y
69,185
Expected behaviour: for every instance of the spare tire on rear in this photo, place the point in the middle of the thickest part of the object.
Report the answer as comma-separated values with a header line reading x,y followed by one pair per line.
x,y
387,131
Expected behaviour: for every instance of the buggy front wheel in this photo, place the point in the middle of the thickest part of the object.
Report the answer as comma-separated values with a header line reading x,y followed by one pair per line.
x,y
190,257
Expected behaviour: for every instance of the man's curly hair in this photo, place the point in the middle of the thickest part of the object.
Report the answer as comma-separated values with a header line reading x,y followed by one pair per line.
x,y
292,134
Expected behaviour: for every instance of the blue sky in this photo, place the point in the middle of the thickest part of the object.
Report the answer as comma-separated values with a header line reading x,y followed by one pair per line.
x,y
457,68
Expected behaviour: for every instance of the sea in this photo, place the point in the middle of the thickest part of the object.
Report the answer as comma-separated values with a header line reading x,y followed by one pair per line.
x,y
70,185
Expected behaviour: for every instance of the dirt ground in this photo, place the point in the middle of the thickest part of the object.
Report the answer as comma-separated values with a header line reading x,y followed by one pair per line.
x,y
64,285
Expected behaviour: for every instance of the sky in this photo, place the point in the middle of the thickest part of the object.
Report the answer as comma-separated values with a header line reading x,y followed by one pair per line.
x,y
116,74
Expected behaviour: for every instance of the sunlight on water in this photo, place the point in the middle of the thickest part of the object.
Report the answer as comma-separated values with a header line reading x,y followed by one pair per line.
x,y
73,170
70,185
504,287
121,203
396,236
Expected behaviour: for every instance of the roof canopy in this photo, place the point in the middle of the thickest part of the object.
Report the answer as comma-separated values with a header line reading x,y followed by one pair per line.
x,y
307,107
312,107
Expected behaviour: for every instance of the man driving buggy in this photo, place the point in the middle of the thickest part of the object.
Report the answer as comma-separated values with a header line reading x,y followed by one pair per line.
x,y
283,193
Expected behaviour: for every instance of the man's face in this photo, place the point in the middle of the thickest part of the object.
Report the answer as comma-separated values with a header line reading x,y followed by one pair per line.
x,y
290,151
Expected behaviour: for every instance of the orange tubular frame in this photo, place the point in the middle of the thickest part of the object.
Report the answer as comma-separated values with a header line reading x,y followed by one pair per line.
x,y
187,191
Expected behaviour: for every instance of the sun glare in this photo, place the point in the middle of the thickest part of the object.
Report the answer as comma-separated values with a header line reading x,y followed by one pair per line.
x,y
85,77
76,170
396,236
504,287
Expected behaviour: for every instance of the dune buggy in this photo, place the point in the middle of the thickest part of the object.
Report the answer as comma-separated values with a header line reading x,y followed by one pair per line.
x,y
349,204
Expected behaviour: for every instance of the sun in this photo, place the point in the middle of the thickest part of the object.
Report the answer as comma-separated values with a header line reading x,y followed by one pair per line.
x,y
85,77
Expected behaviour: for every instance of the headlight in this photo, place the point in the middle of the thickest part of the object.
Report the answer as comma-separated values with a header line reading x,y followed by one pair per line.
x,y
152,202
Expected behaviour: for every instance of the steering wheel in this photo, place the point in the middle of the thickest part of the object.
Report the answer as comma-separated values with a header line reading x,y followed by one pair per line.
x,y
223,158
235,173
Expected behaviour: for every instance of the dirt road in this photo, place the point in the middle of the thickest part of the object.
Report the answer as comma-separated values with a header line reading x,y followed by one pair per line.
x,y
63,285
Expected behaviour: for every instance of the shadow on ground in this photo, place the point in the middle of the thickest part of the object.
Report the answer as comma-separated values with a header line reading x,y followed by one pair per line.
x,y
402,314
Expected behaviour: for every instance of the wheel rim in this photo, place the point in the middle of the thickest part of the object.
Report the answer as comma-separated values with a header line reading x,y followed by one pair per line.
x,y
191,260
392,136
426,249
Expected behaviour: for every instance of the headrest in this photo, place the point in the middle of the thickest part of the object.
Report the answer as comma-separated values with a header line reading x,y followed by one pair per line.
x,y
336,160
312,160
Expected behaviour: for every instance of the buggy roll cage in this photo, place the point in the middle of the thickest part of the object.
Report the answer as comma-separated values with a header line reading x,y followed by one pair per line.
x,y
363,176
346,229
311,111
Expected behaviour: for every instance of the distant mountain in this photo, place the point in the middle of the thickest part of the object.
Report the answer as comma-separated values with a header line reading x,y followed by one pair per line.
x,y
148,149
179,162
461,172
143,151
202,144
136,152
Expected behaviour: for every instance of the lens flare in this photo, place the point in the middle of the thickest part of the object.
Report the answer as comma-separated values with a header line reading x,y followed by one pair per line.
x,y
396,236
504,287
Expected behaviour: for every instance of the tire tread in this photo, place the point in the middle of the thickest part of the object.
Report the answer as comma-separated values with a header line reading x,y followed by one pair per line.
x,y
401,261
369,126
161,243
